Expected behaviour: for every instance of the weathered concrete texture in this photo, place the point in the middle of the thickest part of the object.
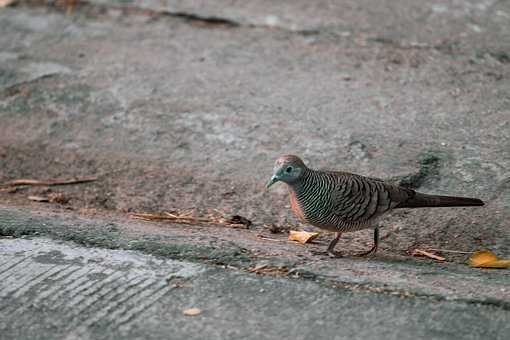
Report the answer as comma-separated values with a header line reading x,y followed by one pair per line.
x,y
185,105
467,23
51,290
175,111
243,250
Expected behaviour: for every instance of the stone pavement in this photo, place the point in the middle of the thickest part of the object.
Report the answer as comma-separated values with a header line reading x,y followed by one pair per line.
x,y
179,105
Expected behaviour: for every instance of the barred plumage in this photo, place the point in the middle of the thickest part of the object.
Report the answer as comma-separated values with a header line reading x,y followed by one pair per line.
x,y
345,202
340,201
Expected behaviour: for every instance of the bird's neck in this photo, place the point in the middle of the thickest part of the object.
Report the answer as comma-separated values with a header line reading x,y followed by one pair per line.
x,y
303,182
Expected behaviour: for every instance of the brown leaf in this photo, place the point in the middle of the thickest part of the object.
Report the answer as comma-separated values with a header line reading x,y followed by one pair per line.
x,y
487,259
191,311
302,236
419,252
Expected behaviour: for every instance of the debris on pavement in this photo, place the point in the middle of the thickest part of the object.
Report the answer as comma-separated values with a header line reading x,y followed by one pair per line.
x,y
58,197
268,238
9,190
419,252
265,269
451,251
191,311
214,218
239,220
50,182
275,229
302,236
487,259
53,197
38,198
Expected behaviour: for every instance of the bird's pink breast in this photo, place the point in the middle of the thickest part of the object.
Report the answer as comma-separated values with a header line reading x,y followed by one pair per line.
x,y
296,207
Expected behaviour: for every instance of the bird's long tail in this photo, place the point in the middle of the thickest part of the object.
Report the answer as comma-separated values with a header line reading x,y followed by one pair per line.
x,y
423,200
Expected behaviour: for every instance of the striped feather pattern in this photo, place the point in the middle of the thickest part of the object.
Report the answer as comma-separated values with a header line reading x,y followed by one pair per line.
x,y
340,201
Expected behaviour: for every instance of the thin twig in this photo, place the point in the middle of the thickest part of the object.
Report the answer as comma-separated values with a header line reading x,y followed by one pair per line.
x,y
18,182
270,239
419,252
451,251
185,218
9,190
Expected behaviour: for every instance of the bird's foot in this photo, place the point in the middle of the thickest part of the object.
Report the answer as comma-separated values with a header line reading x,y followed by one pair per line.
x,y
334,254
371,252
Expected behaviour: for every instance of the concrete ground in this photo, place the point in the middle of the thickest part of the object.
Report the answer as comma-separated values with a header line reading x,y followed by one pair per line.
x,y
56,290
178,106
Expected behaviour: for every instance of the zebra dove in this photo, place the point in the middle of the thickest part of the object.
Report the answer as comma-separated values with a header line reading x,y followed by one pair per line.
x,y
345,202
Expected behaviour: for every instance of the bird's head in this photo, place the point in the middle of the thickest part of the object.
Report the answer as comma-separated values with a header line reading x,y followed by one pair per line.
x,y
287,169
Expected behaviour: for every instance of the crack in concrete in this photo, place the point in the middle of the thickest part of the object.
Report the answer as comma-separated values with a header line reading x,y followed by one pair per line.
x,y
14,89
504,305
186,16
209,20
215,21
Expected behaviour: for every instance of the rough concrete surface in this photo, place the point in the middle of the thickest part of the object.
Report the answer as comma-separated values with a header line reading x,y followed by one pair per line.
x,y
243,250
176,112
184,105
53,290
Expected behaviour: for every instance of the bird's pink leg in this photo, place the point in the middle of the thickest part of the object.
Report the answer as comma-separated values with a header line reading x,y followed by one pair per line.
x,y
372,250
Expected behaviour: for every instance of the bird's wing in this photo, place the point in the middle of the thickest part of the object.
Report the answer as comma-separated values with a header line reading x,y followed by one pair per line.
x,y
358,198
344,173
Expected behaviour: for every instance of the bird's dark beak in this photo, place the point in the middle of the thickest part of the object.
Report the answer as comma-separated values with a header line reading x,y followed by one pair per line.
x,y
272,181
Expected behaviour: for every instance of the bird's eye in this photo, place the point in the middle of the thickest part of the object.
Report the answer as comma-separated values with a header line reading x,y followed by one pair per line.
x,y
288,170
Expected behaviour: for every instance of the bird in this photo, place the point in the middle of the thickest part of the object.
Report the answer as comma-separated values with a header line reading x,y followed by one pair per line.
x,y
342,202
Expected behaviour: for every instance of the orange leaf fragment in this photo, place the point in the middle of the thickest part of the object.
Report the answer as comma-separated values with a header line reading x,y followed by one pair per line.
x,y
5,3
487,259
419,252
191,311
302,236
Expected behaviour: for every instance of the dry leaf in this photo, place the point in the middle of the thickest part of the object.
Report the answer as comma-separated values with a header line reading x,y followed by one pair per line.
x,y
302,236
487,259
5,3
419,252
191,311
